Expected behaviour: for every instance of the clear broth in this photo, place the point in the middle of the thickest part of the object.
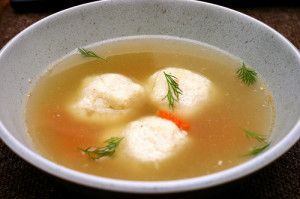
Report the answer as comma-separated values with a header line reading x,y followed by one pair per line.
x,y
218,141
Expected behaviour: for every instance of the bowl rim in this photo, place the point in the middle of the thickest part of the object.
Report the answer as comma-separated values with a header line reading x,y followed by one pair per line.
x,y
170,186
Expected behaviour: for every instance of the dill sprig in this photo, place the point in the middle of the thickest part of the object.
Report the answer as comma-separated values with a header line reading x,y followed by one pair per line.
x,y
88,53
260,138
251,134
257,150
173,90
108,150
246,75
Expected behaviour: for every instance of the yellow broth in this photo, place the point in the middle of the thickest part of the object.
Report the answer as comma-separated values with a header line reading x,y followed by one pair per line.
x,y
217,138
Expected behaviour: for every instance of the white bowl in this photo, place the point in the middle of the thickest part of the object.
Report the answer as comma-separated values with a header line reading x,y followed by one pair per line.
x,y
29,53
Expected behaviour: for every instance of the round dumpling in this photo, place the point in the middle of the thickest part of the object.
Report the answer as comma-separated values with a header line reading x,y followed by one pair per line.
x,y
152,139
107,97
196,89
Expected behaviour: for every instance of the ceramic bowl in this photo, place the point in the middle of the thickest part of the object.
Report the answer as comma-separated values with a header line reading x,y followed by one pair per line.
x,y
28,54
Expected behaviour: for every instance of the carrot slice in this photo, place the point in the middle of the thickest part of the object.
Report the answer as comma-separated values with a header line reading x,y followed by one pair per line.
x,y
183,125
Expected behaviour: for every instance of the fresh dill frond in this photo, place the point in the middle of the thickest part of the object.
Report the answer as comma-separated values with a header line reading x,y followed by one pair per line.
x,y
246,75
88,53
251,134
261,139
173,90
108,150
257,150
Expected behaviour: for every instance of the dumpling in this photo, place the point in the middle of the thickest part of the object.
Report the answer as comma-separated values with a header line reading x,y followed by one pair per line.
x,y
153,139
108,97
197,90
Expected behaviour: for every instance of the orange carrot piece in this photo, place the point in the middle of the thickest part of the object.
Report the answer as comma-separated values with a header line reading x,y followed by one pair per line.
x,y
183,125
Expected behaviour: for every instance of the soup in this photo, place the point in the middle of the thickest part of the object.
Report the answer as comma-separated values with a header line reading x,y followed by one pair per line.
x,y
150,108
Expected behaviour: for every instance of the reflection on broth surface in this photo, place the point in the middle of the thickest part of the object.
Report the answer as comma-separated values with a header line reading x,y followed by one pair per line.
x,y
183,145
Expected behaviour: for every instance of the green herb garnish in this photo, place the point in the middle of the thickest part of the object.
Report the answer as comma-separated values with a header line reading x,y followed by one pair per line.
x,y
108,150
247,75
89,53
251,134
259,149
173,90
260,138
